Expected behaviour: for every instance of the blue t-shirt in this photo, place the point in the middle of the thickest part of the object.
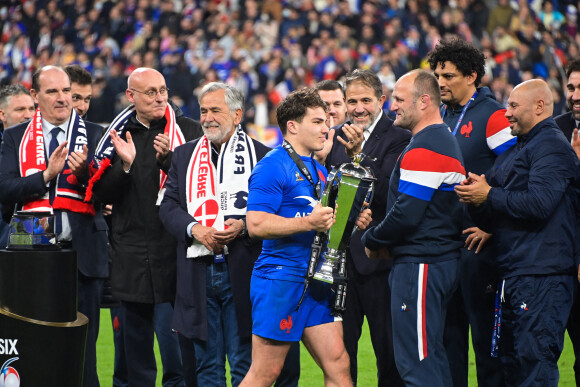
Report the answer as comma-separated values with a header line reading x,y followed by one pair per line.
x,y
277,187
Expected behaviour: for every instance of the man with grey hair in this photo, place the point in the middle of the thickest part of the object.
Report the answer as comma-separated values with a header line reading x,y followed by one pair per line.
x,y
16,106
205,209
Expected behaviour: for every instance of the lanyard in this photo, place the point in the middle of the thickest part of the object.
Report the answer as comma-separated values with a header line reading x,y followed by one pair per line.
x,y
462,112
302,167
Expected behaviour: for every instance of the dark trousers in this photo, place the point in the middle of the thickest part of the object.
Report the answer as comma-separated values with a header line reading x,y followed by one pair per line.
x,y
370,296
89,299
535,313
473,304
573,328
169,349
419,297
189,363
138,337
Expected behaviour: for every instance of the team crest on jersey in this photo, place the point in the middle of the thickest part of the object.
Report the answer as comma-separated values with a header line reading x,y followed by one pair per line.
x,y
466,129
286,325
298,176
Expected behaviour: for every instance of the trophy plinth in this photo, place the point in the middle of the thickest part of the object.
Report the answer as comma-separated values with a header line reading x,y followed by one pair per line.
x,y
32,231
329,271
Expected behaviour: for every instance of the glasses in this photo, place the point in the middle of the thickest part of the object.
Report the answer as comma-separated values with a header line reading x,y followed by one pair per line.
x,y
153,93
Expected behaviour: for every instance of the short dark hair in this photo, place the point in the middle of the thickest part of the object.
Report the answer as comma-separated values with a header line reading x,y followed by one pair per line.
x,y
293,107
426,83
330,85
78,74
572,66
367,78
9,91
462,54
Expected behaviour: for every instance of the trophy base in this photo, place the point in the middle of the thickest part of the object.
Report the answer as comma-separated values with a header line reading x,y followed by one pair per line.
x,y
324,277
32,242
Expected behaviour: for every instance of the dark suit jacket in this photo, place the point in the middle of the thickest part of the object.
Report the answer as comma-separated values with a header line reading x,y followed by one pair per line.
x,y
190,313
383,147
567,124
89,233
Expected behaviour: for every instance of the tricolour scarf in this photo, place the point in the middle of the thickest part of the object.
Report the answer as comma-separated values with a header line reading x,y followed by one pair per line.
x,y
217,193
106,151
69,194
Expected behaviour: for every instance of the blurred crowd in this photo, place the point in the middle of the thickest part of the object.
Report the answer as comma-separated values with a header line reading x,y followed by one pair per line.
x,y
269,48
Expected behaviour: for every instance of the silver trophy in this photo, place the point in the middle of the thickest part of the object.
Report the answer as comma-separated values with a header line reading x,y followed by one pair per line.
x,y
32,231
349,188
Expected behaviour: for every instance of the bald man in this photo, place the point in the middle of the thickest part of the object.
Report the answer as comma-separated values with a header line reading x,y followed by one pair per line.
x,y
143,253
527,202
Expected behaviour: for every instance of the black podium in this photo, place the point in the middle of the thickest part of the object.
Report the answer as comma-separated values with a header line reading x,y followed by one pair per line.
x,y
42,336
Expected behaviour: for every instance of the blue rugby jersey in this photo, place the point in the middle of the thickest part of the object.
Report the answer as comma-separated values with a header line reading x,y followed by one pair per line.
x,y
423,222
277,187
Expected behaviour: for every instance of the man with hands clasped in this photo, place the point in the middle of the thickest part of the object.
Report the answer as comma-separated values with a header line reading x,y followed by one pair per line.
x,y
527,201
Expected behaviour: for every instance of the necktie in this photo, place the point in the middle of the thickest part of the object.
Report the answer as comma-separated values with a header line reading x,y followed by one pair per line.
x,y
51,148
53,140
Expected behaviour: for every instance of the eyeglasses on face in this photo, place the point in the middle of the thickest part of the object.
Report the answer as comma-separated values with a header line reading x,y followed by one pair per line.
x,y
153,93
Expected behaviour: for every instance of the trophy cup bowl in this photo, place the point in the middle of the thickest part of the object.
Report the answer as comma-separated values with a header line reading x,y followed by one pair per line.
x,y
348,187
32,231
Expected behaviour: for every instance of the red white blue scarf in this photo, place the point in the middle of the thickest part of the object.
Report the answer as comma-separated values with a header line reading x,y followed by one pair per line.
x,y
106,151
69,194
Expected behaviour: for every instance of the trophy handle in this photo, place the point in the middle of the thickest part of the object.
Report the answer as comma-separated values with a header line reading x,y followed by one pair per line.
x,y
328,199
369,200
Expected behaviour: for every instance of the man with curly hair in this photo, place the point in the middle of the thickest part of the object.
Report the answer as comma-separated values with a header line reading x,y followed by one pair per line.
x,y
478,123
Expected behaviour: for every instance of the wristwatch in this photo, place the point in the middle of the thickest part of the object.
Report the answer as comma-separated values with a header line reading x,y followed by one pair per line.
x,y
244,228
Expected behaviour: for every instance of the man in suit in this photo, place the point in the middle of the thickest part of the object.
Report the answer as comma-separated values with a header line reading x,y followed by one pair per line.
x,y
368,291
16,106
81,83
215,256
133,159
61,168
568,123
333,96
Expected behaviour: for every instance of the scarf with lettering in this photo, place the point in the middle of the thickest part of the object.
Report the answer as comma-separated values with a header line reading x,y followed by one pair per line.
x,y
69,194
106,151
216,193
